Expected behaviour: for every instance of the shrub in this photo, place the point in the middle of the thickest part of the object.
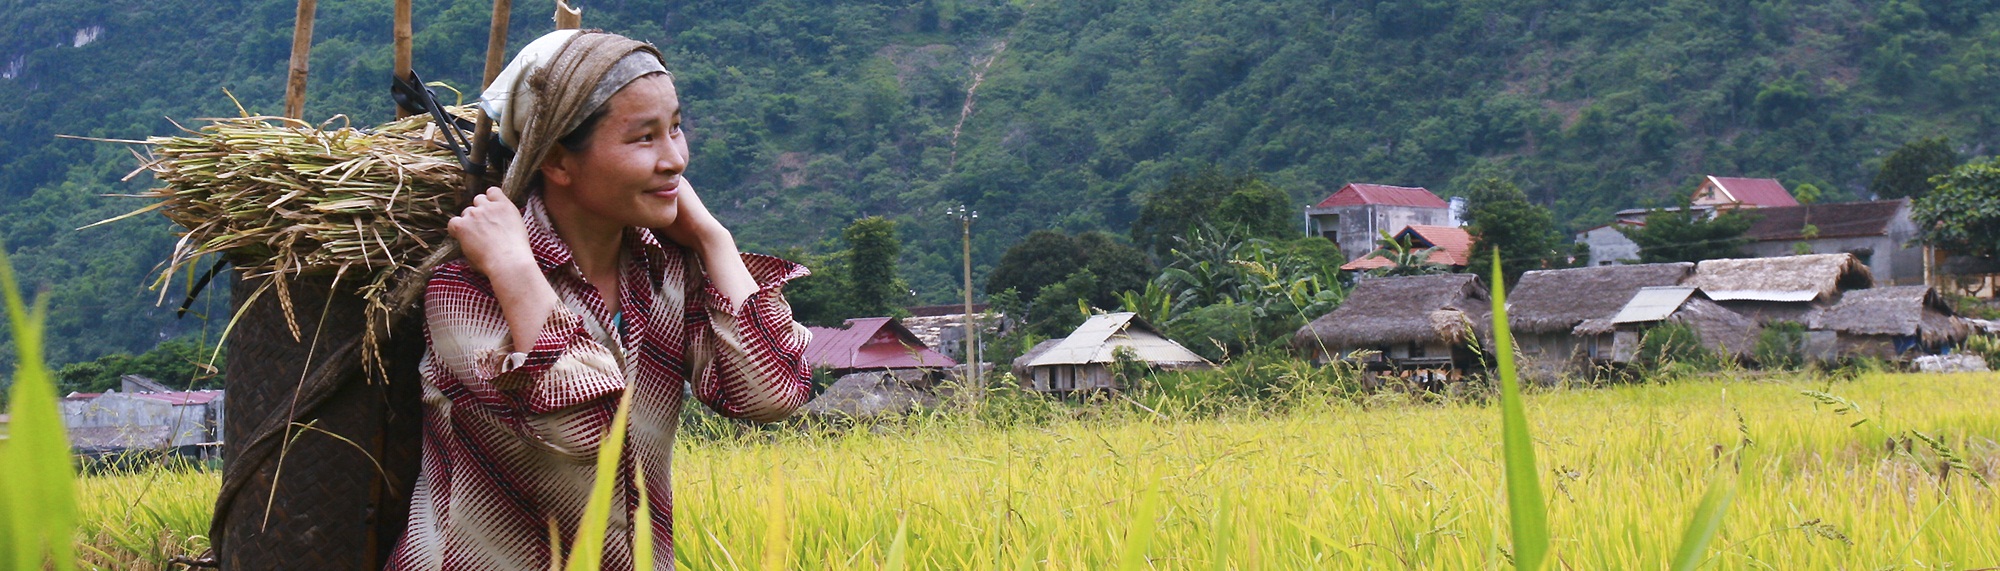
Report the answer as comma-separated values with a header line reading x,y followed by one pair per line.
x,y
1781,345
1671,343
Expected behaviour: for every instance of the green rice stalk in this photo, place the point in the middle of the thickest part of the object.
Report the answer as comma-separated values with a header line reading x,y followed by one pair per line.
x,y
1707,519
38,492
1526,511
587,553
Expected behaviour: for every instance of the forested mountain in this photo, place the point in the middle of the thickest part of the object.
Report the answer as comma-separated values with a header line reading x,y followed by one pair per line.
x,y
1057,114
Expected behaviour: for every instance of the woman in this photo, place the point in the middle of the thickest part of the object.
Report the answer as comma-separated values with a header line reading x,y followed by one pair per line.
x,y
611,277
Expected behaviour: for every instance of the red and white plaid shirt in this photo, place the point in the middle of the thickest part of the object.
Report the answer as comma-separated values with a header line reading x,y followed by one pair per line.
x,y
510,447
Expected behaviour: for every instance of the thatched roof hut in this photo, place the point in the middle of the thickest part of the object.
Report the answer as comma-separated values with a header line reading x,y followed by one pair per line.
x,y
1409,309
1720,329
1555,301
1902,311
1809,278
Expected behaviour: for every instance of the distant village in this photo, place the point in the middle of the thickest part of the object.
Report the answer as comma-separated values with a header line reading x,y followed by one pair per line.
x,y
1850,280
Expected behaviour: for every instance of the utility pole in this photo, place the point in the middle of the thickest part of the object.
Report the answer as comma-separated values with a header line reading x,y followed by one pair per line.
x,y
965,217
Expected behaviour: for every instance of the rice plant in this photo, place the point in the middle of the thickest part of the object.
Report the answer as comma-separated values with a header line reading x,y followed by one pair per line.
x,y
37,483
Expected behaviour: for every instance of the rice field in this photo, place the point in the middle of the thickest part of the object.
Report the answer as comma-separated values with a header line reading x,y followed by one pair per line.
x,y
1385,483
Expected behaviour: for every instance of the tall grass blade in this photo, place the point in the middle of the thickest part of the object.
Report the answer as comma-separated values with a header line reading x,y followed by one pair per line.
x,y
1139,537
898,550
1525,509
642,523
1220,533
1707,520
40,486
777,534
587,554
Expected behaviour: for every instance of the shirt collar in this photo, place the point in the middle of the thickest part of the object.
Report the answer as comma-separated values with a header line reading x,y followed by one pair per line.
x,y
551,254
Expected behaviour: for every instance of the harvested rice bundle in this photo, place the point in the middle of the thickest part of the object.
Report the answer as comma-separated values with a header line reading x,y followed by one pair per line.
x,y
282,199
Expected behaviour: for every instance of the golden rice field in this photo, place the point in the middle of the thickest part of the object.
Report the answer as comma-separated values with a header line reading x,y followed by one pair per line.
x,y
1386,485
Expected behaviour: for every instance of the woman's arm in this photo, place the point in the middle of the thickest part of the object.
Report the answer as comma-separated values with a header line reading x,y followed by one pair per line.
x,y
495,240
698,230
748,353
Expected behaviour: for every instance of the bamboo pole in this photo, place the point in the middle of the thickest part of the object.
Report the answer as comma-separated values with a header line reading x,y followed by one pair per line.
x,y
496,56
295,83
568,18
402,33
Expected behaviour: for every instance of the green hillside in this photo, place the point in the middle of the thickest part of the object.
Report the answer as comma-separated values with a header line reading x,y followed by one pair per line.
x,y
807,115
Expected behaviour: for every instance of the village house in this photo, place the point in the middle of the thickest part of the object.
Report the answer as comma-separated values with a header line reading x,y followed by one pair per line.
x,y
1453,247
1785,288
1878,233
1720,330
1727,193
942,327
144,416
1358,214
1546,306
1426,326
1893,323
879,367
1608,246
1083,360
871,344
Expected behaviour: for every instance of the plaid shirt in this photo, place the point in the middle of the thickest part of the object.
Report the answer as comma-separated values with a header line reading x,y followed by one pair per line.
x,y
510,446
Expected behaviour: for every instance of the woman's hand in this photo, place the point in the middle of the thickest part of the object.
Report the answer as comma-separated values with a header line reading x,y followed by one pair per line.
x,y
493,235
694,226
696,229
494,238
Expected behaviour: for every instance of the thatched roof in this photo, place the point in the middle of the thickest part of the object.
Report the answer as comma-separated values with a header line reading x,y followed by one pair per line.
x,y
1381,311
1719,328
1817,277
1554,301
1900,310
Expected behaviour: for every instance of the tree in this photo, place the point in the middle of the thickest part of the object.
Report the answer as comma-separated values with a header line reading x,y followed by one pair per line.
x,y
1404,258
1501,217
1238,206
1963,213
873,287
1907,172
1047,257
1044,257
1688,235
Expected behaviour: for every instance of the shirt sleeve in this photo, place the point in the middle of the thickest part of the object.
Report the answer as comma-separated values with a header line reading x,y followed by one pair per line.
x,y
470,339
750,363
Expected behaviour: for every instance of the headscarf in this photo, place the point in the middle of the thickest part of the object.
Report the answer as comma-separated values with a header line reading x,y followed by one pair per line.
x,y
552,86
548,90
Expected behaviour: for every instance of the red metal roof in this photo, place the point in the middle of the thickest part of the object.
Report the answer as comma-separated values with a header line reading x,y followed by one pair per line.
x,y
1756,191
871,343
1454,247
1357,194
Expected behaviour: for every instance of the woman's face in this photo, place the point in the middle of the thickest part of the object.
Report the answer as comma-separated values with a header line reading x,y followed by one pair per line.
x,y
628,173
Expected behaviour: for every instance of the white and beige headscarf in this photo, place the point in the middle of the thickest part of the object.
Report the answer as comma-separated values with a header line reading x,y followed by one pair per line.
x,y
552,86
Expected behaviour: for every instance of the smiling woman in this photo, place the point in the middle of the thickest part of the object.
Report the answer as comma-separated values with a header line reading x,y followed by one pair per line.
x,y
595,273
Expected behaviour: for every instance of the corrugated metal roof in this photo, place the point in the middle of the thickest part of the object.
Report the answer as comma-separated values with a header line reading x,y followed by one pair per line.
x,y
871,343
1358,193
1454,246
1100,337
1653,304
1755,191
1836,220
